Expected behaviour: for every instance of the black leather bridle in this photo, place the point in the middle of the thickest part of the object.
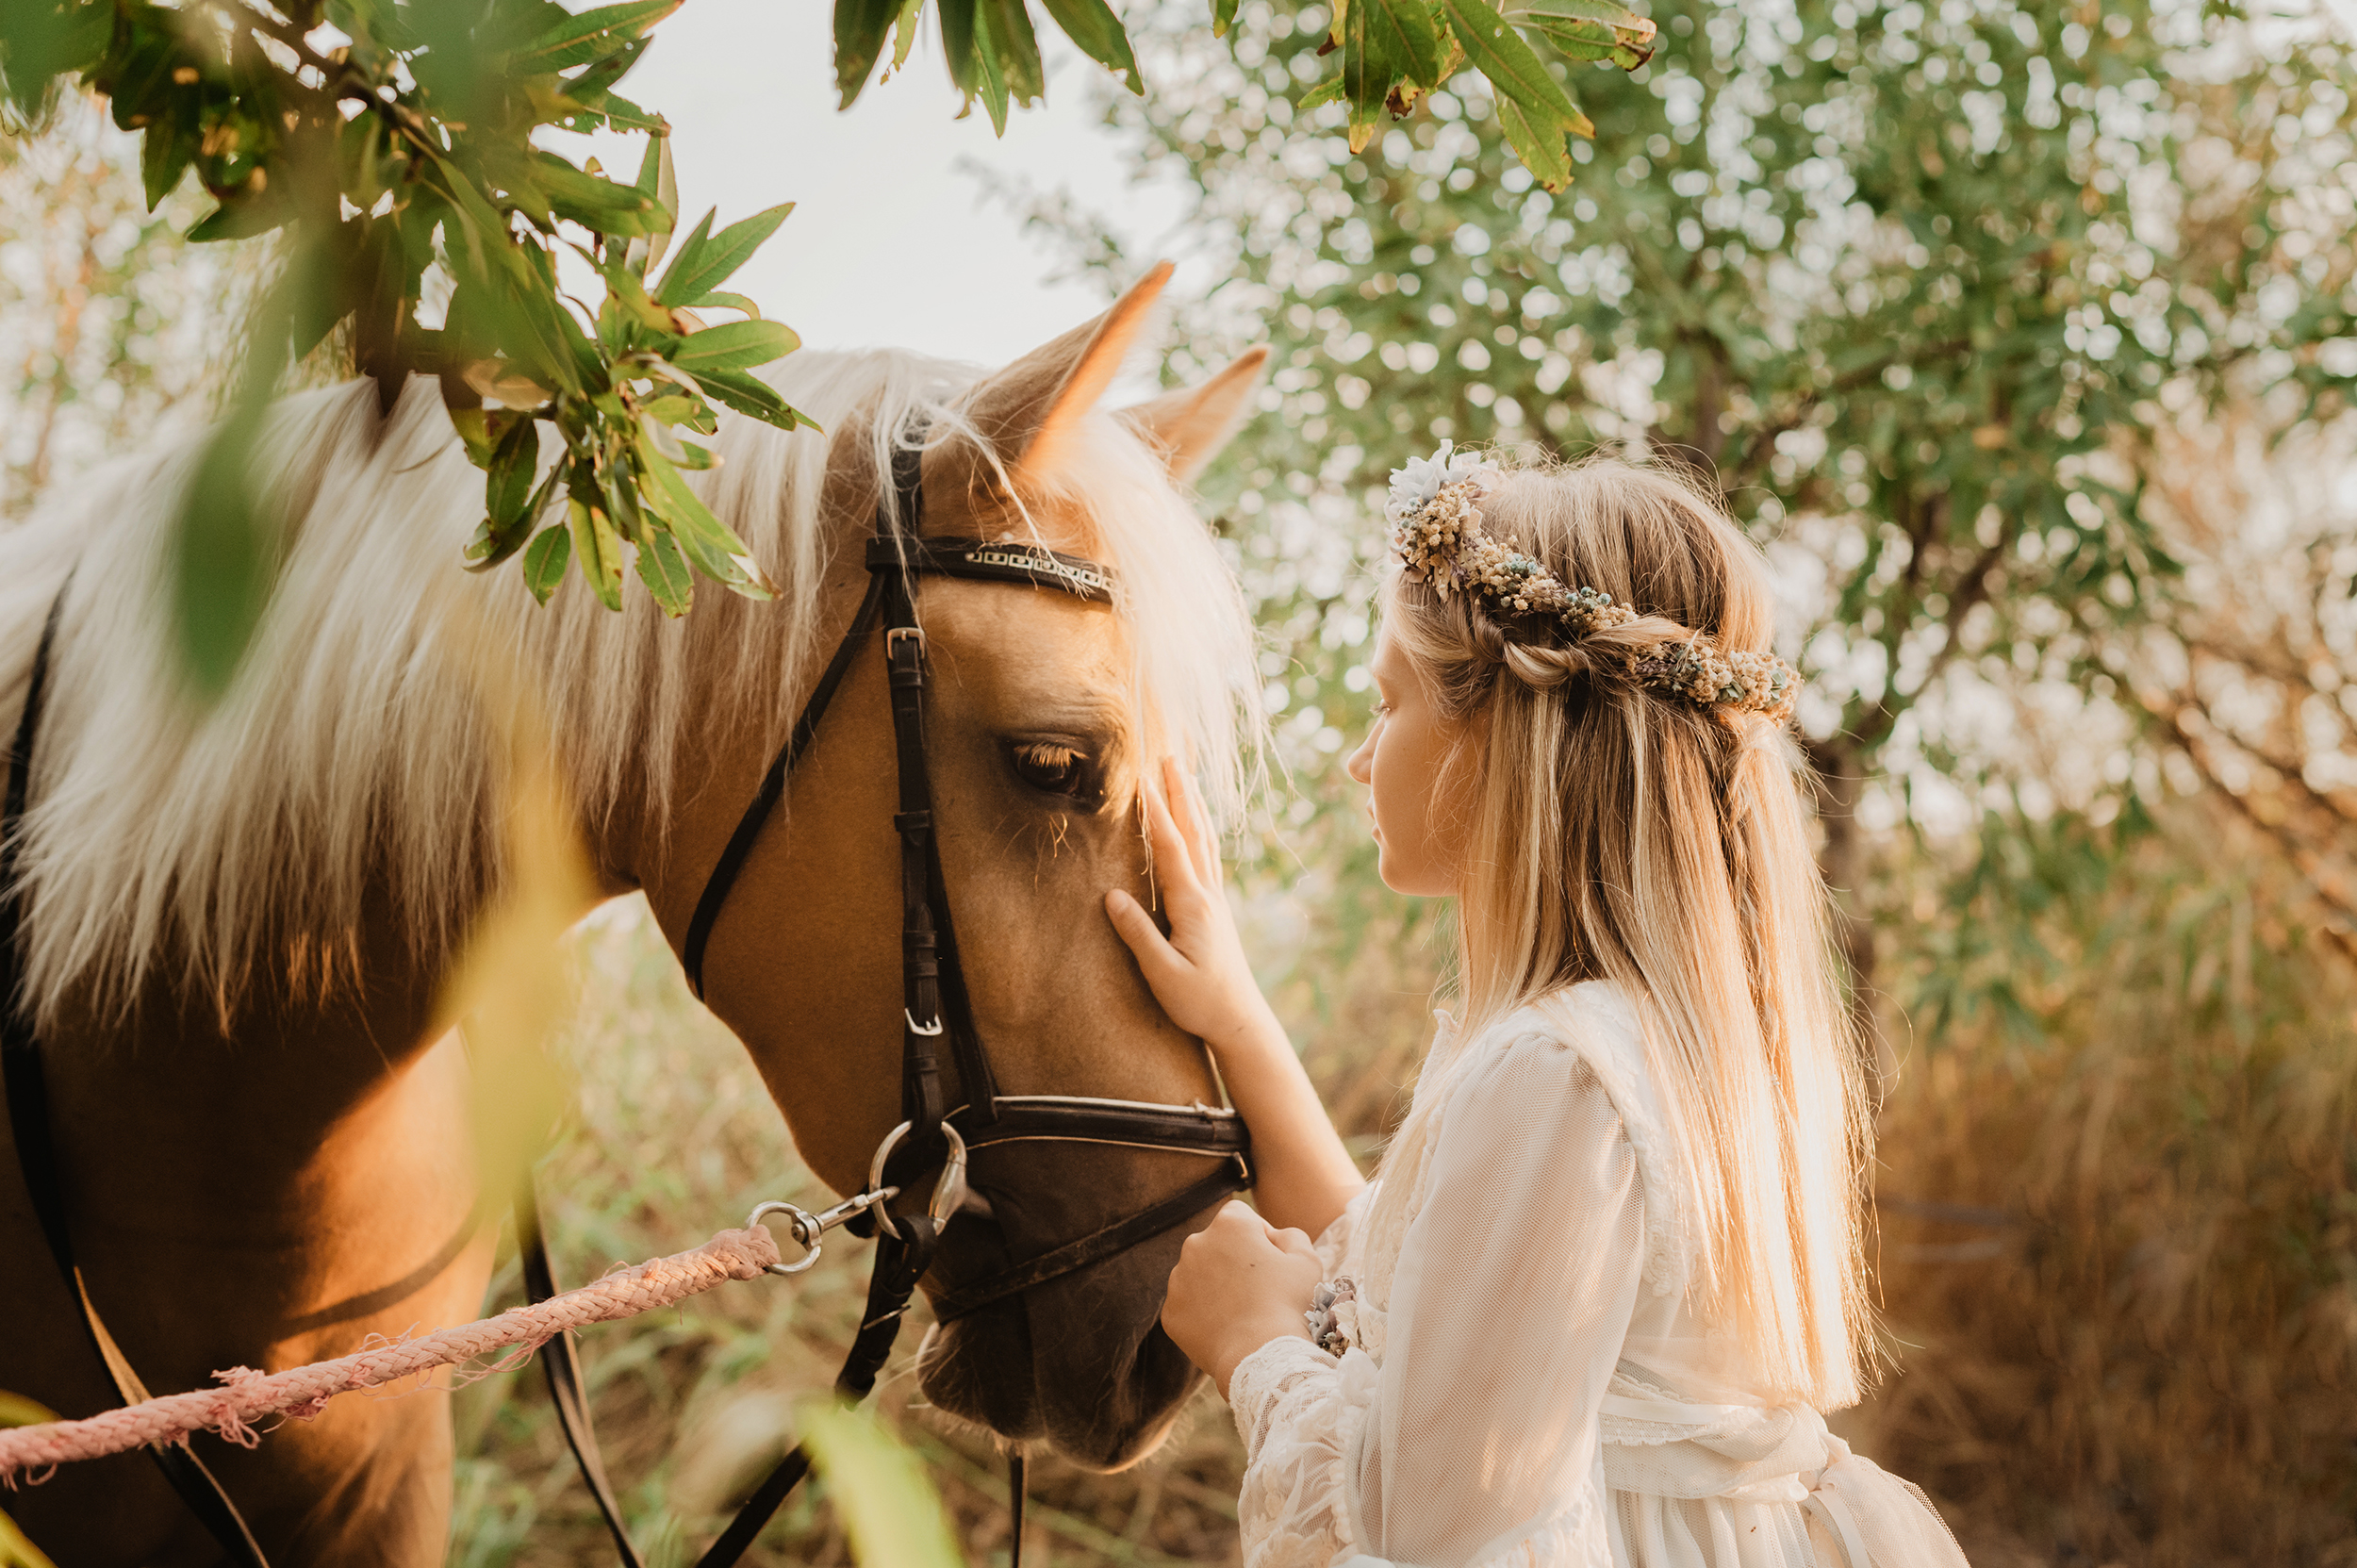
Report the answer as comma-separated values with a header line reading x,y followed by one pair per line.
x,y
935,1010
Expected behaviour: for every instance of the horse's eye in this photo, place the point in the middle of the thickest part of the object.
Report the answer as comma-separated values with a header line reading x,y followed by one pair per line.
x,y
1054,768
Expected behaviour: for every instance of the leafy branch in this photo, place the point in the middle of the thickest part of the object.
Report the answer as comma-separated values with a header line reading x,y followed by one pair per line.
x,y
392,141
1394,52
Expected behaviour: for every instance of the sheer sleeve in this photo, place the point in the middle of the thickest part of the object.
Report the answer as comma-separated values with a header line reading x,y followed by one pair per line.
x,y
1475,1441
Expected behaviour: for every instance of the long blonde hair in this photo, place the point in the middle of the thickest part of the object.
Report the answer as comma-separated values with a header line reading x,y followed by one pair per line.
x,y
1618,833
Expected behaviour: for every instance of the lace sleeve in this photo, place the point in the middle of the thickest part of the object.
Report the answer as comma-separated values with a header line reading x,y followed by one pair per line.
x,y
1297,1408
1475,1442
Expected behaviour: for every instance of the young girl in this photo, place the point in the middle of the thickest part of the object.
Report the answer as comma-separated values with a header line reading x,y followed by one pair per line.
x,y
1610,1274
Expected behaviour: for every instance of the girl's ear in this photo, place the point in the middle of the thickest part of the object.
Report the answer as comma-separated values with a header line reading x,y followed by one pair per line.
x,y
1193,423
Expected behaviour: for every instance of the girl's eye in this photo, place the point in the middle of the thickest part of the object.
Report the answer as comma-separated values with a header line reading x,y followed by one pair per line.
x,y
1055,768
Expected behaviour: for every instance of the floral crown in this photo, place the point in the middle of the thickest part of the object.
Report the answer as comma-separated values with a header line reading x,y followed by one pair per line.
x,y
1436,531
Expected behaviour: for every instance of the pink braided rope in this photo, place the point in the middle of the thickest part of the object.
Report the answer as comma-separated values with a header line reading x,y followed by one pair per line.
x,y
303,1392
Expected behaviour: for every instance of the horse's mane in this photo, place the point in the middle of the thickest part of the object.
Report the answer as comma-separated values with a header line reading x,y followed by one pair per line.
x,y
357,765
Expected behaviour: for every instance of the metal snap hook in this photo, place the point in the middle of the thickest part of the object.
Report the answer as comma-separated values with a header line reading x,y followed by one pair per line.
x,y
809,1229
804,1226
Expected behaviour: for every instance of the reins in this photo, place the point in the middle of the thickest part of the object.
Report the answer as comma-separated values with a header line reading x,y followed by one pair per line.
x,y
936,1012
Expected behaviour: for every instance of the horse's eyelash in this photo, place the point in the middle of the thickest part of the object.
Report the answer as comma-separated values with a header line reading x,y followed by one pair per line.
x,y
1047,754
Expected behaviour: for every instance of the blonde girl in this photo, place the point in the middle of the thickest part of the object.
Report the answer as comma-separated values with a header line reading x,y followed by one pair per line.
x,y
1610,1274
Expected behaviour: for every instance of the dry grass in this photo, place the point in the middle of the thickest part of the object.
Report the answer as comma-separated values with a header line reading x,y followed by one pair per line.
x,y
2120,1230
2119,1244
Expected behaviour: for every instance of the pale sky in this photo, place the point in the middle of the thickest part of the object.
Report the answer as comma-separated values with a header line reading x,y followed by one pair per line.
x,y
889,243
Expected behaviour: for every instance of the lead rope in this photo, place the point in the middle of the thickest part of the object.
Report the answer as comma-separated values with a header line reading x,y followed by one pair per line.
x,y
27,1083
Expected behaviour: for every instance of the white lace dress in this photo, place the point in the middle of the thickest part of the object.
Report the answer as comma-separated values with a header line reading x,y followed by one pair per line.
x,y
1526,1382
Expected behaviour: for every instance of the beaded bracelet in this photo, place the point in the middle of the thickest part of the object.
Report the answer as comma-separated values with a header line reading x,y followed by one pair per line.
x,y
1325,1325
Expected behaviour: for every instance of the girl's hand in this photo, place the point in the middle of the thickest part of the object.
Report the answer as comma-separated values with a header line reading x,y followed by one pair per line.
x,y
1199,971
1240,1284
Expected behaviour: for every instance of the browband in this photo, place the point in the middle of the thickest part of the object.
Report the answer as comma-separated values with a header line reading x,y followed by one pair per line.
x,y
995,561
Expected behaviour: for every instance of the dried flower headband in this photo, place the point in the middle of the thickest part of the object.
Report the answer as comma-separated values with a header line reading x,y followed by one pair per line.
x,y
1436,531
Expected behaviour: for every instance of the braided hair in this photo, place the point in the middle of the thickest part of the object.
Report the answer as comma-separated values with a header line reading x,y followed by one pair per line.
x,y
1633,826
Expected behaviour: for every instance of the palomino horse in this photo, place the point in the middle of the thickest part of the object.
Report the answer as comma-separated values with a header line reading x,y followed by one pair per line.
x,y
239,921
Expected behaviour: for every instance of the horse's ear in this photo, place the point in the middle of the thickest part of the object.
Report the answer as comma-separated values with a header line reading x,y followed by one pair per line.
x,y
1190,425
1027,411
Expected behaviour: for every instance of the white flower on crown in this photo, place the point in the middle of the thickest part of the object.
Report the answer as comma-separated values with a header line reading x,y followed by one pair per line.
x,y
1414,487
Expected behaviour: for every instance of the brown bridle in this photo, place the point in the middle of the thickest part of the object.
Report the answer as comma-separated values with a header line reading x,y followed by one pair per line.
x,y
935,1008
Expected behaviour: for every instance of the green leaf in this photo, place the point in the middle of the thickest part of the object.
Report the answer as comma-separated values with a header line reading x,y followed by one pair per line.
x,y
860,27
703,264
1386,44
17,1550
1223,17
224,559
985,80
735,346
1093,26
1326,92
750,394
904,33
594,202
600,550
591,35
509,484
165,153
664,570
546,560
239,217
44,38
17,1411
659,180
957,41
887,1507
1544,153
715,551
1515,69
1016,52
1590,29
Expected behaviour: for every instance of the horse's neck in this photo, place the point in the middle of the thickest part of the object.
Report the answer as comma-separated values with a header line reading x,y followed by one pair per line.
x,y
254,1096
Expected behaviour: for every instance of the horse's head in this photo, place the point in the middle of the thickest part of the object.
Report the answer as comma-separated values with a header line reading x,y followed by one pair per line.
x,y
1045,715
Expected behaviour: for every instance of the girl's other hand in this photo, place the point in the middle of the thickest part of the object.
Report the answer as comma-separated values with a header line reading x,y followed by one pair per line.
x,y
1240,1284
1198,972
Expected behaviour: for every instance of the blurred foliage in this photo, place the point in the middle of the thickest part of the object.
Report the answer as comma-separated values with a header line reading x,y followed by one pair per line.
x,y
109,323
15,1550
2118,1202
1917,284
398,144
888,1508
395,145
